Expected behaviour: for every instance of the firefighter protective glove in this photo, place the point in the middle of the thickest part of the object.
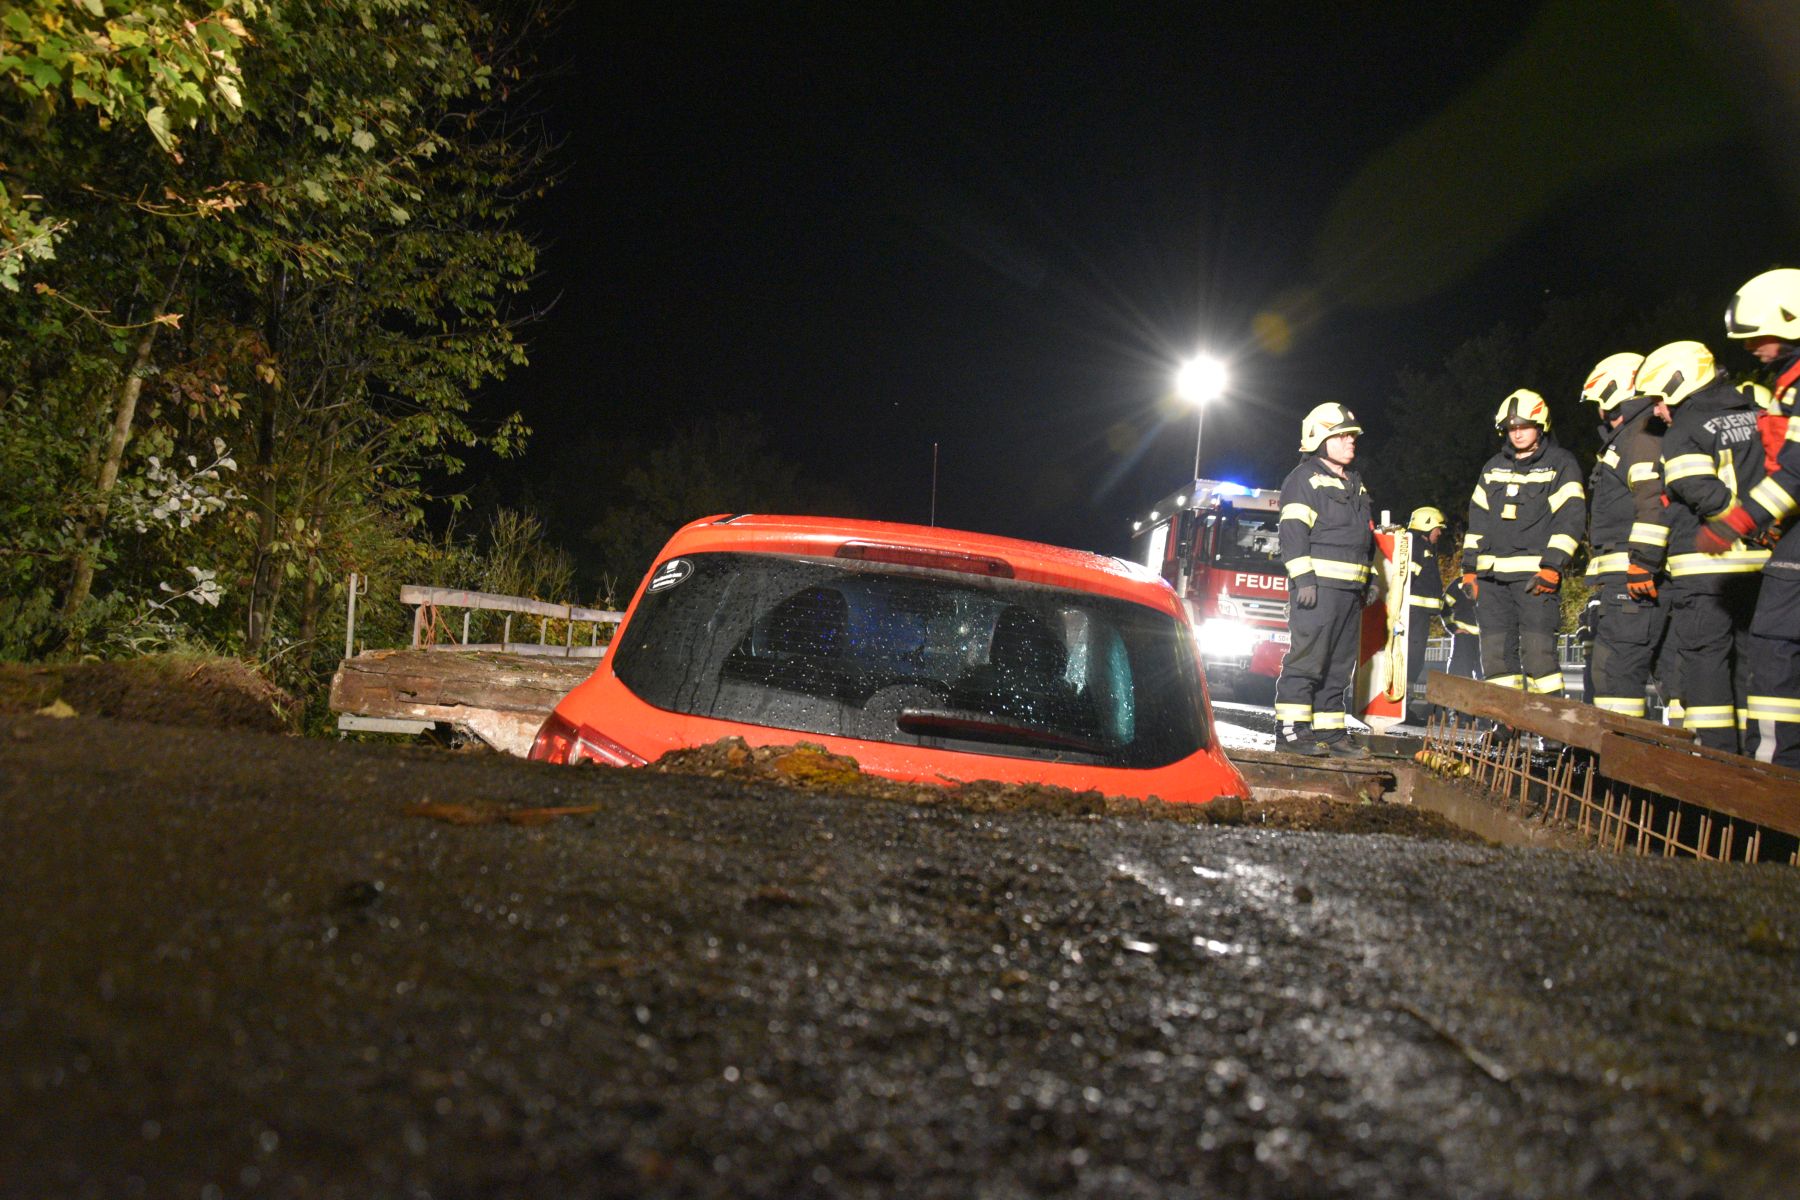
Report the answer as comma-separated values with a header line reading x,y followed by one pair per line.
x,y
1716,536
1470,586
1306,595
1547,580
1639,583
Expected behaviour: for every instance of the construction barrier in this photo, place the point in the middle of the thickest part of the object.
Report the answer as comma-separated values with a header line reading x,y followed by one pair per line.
x,y
1623,783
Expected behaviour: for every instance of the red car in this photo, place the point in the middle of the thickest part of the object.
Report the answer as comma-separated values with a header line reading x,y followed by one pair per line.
x,y
928,655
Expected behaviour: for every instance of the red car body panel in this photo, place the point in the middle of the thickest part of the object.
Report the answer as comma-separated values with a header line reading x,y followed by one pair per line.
x,y
604,704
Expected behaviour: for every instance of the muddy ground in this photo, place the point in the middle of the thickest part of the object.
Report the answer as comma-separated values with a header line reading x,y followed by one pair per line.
x,y
239,964
207,693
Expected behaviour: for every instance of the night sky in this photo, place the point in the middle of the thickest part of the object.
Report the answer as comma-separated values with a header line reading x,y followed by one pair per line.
x,y
999,230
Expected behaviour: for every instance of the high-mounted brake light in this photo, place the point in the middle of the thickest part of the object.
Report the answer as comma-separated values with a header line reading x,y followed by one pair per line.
x,y
937,560
561,741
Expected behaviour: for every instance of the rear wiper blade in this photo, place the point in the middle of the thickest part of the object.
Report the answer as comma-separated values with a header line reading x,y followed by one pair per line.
x,y
980,726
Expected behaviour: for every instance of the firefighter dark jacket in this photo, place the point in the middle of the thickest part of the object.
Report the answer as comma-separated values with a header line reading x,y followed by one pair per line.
x,y
1327,536
1712,456
1775,500
1424,585
1462,608
1527,511
1628,522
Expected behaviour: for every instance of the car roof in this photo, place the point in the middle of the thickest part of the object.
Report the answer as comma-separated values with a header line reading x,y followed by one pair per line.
x,y
1036,562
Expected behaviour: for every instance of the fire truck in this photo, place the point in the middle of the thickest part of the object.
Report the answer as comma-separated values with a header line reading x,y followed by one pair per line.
x,y
1217,543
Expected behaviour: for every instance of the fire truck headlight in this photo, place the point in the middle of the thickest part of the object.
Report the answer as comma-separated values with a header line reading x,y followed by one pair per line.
x,y
1226,639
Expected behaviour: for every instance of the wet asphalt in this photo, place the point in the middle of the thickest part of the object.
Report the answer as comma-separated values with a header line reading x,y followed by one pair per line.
x,y
236,965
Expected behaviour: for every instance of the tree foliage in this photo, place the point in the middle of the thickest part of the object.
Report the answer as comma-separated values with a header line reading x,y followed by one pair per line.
x,y
166,67
273,240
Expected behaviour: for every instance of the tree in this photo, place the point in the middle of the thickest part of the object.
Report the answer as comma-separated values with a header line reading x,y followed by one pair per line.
x,y
170,66
320,292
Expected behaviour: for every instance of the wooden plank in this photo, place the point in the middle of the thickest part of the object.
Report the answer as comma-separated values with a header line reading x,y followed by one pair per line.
x,y
1725,783
501,698
393,683
1272,773
1476,811
1568,721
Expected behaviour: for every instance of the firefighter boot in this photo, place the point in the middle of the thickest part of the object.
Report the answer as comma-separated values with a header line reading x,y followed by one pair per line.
x,y
1297,738
1343,747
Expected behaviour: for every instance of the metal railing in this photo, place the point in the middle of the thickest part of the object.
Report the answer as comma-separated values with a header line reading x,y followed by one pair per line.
x,y
430,631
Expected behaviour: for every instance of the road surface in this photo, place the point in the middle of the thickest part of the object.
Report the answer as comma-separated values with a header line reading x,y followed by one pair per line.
x,y
239,965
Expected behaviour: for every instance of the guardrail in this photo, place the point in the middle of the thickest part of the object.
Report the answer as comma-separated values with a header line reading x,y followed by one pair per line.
x,y
430,632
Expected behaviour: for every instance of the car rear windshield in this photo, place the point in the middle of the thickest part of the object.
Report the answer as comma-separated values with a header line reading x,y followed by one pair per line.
x,y
915,657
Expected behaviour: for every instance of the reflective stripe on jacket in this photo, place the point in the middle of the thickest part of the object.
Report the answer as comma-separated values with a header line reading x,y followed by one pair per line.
x,y
1776,499
1326,534
1627,520
1424,585
1526,512
1712,456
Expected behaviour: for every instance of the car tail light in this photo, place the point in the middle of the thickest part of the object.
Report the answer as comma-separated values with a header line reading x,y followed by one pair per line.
x,y
560,740
940,560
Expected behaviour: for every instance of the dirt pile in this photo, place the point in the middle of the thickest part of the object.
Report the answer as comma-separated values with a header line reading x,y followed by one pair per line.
x,y
201,693
812,768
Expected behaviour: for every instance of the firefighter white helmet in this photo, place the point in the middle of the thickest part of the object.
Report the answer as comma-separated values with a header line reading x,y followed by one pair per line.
x,y
1523,405
1676,371
1425,519
1613,380
1326,421
1760,395
1767,306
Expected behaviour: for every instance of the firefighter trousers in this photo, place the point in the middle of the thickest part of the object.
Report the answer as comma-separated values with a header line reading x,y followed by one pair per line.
x,y
1320,662
1709,618
1465,654
1772,730
1418,637
1518,636
1626,633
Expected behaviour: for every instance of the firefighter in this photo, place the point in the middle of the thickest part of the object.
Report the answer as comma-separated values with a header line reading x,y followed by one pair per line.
x,y
1526,517
1461,621
1424,598
1765,315
1327,540
1712,458
1628,536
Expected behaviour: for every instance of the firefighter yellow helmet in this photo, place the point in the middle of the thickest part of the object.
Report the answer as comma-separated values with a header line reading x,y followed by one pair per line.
x,y
1761,396
1613,380
1523,405
1425,519
1325,421
1676,371
1767,306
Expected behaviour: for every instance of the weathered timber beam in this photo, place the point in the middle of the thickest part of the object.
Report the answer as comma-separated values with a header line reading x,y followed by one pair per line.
x,y
1566,721
1271,774
396,683
1726,783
